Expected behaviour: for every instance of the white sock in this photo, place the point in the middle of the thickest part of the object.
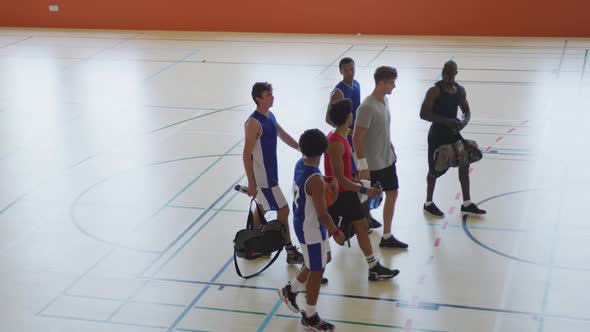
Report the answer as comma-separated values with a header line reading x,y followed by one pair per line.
x,y
387,236
428,203
466,203
371,261
309,310
296,286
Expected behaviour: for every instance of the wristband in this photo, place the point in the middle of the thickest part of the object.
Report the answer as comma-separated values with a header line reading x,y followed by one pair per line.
x,y
337,232
363,190
363,164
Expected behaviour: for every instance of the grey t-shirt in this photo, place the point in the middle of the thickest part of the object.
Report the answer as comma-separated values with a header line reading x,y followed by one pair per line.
x,y
374,115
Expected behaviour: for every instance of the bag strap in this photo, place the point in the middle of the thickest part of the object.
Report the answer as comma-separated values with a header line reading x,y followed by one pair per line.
x,y
250,222
259,272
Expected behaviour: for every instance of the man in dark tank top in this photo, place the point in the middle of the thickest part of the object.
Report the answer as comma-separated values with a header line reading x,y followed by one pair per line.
x,y
440,107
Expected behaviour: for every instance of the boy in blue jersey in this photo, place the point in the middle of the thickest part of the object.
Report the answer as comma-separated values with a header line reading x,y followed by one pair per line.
x,y
313,226
349,88
260,162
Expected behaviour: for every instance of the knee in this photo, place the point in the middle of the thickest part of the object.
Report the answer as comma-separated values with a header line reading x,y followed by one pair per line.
x,y
361,226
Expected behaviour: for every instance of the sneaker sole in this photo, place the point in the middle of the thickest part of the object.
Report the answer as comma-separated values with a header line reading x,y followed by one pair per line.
x,y
433,215
384,277
286,301
388,247
472,214
311,328
294,262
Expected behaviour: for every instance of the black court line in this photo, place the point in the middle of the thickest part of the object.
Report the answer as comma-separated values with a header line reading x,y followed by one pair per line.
x,y
336,60
561,59
16,42
498,252
87,158
584,65
376,56
431,306
310,42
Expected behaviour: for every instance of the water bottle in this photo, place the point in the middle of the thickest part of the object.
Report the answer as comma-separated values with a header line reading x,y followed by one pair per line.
x,y
374,202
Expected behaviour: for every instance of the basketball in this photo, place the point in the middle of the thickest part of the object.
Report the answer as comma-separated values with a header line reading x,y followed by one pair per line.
x,y
331,195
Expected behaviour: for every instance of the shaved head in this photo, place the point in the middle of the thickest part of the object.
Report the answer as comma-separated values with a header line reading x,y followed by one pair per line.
x,y
449,69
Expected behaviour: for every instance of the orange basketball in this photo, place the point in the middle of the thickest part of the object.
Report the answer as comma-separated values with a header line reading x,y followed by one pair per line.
x,y
331,195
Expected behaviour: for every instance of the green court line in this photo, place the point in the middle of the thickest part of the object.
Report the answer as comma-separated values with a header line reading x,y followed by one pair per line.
x,y
198,177
195,234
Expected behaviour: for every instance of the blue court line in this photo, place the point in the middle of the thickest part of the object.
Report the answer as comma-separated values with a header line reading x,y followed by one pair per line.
x,y
126,301
72,284
198,297
169,259
270,315
401,303
193,52
193,224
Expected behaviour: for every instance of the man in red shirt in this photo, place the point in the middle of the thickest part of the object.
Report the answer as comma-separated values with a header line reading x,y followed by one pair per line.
x,y
338,163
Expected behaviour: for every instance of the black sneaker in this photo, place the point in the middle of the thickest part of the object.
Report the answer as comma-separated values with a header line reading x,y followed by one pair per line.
x,y
472,210
373,223
289,297
294,256
380,272
315,323
433,210
392,242
324,281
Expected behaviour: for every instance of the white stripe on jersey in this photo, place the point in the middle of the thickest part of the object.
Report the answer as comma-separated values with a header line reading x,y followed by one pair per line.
x,y
311,223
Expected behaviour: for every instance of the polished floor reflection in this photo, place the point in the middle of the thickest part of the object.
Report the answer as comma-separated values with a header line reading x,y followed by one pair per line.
x,y
119,151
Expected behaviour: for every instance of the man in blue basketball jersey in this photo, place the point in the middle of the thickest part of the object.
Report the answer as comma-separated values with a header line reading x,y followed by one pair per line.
x,y
260,161
313,226
349,88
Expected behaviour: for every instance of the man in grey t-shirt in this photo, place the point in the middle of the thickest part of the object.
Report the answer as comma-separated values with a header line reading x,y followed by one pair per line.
x,y
374,150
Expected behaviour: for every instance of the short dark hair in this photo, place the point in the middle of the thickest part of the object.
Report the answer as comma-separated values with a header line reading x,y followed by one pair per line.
x,y
339,111
384,73
344,61
258,88
313,143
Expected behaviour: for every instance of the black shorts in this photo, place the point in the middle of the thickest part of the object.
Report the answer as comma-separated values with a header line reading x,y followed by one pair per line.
x,y
436,139
387,177
348,206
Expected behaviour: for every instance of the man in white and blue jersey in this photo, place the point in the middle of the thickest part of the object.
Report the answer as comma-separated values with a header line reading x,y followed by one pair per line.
x,y
260,162
313,226
349,88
